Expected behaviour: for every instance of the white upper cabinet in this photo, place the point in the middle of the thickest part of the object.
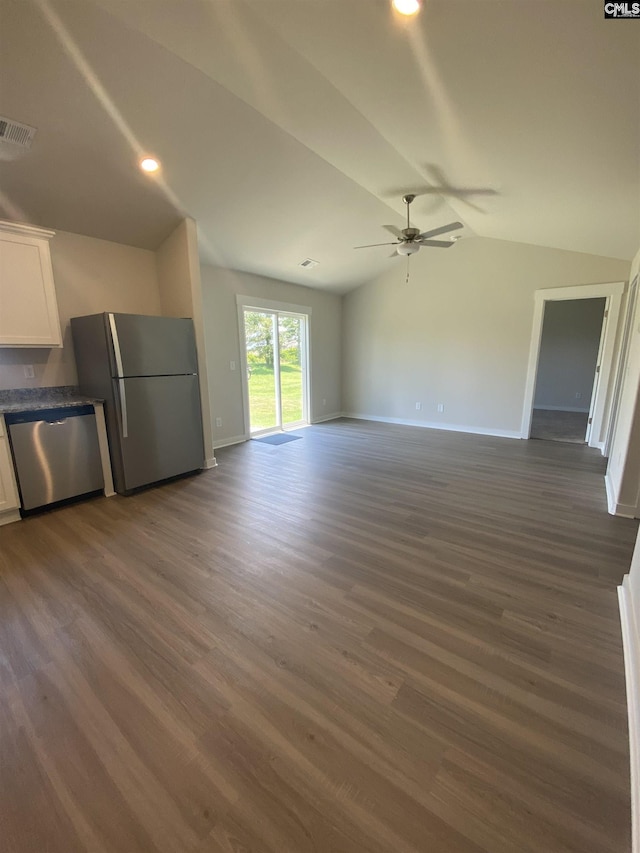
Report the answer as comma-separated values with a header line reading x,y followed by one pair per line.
x,y
28,308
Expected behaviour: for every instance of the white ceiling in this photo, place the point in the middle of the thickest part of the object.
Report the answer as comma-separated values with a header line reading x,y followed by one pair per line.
x,y
290,128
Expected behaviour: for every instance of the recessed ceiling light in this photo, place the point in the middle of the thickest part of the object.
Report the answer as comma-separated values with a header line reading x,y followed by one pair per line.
x,y
406,7
148,164
455,237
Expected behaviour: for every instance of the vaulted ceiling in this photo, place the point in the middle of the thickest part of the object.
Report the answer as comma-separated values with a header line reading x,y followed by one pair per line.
x,y
290,129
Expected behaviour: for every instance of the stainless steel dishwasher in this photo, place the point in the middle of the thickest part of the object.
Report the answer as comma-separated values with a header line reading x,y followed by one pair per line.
x,y
56,454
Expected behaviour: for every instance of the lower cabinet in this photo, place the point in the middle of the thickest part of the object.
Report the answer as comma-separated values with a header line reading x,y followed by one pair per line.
x,y
9,499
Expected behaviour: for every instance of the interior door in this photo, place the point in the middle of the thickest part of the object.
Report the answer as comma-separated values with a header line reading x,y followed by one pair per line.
x,y
596,379
622,364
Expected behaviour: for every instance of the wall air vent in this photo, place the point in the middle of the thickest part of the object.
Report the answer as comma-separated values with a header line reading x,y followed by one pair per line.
x,y
15,138
308,263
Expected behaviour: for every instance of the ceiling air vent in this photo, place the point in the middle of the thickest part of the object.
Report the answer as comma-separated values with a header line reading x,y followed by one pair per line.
x,y
308,263
15,138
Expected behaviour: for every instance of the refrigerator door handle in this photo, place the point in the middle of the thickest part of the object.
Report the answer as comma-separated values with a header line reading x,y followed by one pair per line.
x,y
116,344
123,408
119,370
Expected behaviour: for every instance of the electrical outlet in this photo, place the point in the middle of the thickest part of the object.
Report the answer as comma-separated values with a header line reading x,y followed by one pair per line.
x,y
441,407
578,395
418,407
28,371
324,401
232,365
218,422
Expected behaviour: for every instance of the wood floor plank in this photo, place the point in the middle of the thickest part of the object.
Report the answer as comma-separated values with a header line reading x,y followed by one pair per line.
x,y
376,639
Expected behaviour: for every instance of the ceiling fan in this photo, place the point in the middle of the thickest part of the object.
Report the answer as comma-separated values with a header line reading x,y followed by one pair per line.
x,y
410,239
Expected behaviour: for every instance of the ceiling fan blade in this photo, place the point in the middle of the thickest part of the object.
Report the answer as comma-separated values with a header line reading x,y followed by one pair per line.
x,y
440,184
441,244
442,230
456,192
373,245
395,231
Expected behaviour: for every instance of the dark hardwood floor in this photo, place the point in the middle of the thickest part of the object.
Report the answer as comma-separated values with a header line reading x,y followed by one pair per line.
x,y
555,425
376,639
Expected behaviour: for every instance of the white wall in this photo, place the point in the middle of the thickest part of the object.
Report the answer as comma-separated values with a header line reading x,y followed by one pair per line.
x,y
174,273
180,289
623,471
90,276
568,354
629,600
634,582
457,334
219,290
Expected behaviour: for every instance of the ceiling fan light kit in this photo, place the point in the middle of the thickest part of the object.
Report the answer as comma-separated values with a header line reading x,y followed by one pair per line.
x,y
410,240
408,248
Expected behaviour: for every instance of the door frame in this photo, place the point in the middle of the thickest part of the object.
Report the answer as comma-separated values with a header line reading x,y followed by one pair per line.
x,y
612,291
596,378
259,304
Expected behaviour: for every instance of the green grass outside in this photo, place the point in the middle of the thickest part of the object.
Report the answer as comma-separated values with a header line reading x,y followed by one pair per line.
x,y
262,395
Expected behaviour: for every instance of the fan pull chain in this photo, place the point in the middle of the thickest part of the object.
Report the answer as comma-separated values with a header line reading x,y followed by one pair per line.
x,y
407,278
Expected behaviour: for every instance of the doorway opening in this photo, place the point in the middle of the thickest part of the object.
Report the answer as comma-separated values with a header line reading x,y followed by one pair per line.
x,y
608,299
276,370
567,369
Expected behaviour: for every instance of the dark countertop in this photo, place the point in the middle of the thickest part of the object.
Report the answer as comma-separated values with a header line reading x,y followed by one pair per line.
x,y
32,399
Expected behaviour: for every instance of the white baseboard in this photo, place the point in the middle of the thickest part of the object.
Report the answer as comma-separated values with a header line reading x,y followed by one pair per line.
x,y
611,502
562,409
332,417
227,442
498,433
210,463
623,510
631,648
10,516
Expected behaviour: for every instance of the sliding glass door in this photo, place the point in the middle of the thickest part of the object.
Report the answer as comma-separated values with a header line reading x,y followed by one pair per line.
x,y
276,365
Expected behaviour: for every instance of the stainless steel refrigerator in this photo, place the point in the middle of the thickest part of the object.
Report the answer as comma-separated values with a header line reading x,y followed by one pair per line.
x,y
146,371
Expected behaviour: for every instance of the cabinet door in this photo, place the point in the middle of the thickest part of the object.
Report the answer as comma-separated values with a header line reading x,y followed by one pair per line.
x,y
28,309
8,492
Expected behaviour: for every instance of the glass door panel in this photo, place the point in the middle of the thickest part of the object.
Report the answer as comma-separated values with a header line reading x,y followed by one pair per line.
x,y
260,329
291,369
